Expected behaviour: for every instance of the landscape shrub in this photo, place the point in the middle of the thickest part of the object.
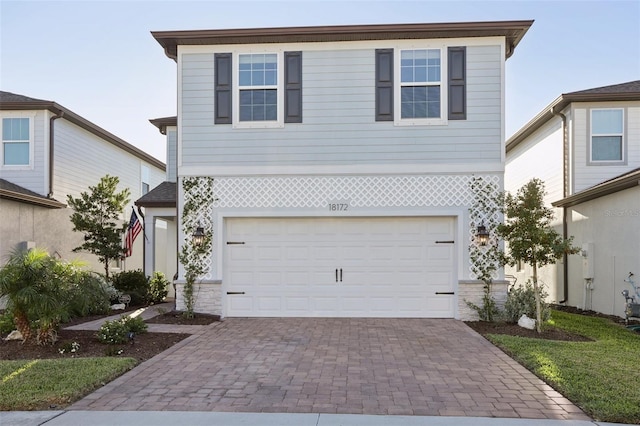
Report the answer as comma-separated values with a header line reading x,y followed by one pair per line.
x,y
135,284
88,295
113,332
521,300
158,287
134,324
6,322
118,331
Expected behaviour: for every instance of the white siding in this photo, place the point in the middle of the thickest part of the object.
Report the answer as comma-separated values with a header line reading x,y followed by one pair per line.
x,y
172,149
540,156
338,117
34,179
612,224
587,175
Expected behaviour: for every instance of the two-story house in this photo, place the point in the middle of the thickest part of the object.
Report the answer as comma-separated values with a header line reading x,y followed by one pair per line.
x,y
331,165
49,152
586,147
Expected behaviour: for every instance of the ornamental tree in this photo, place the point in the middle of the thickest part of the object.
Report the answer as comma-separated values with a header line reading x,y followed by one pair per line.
x,y
529,235
97,214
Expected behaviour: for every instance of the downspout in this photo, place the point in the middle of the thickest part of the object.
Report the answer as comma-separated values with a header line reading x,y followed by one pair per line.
x,y
565,194
60,114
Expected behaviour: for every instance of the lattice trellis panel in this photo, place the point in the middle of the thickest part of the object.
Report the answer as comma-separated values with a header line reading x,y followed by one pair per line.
x,y
201,193
362,191
484,209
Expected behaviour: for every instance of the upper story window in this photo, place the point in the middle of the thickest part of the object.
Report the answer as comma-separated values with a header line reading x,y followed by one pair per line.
x,y
607,131
420,84
258,87
258,90
16,141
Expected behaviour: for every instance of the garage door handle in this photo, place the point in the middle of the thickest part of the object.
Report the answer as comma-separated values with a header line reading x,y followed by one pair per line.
x,y
235,292
340,274
445,242
445,292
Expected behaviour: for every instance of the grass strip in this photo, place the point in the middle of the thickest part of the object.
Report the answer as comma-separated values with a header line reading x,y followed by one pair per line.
x,y
41,384
601,377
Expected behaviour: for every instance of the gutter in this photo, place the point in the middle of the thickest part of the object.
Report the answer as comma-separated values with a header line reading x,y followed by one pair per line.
x,y
565,193
59,114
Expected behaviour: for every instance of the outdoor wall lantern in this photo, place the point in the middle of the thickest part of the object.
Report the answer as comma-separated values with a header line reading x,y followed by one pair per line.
x,y
198,236
482,235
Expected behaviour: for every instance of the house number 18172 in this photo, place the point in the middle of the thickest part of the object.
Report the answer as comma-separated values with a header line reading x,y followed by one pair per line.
x,y
338,207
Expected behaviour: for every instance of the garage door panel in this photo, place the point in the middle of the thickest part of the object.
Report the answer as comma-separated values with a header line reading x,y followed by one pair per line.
x,y
391,267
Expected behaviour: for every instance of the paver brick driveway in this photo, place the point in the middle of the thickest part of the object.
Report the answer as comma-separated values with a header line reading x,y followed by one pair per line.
x,y
335,365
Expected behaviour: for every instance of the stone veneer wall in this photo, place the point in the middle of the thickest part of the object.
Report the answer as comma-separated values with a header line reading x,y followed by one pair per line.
x,y
473,291
207,296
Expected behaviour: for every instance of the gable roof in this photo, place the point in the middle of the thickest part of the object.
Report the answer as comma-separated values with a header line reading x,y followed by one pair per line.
x,y
513,31
619,183
11,191
163,195
12,101
629,91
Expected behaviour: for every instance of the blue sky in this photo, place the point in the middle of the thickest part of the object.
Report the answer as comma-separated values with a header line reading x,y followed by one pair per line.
x,y
99,59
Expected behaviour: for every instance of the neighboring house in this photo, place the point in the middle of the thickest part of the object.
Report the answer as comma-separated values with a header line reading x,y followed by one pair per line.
x,y
340,159
586,147
49,152
160,211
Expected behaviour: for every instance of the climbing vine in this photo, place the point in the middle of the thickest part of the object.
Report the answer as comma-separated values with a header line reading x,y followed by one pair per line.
x,y
486,209
196,211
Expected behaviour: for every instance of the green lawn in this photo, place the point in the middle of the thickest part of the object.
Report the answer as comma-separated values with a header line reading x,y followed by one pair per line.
x,y
39,384
602,377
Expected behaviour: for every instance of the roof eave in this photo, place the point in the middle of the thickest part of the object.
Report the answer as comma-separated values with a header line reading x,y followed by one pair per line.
x,y
558,105
85,124
30,199
608,188
513,31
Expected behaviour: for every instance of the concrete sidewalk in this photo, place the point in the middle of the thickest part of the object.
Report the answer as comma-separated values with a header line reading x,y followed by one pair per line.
x,y
191,418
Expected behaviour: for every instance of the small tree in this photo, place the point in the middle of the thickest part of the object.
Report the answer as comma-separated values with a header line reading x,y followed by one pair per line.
x,y
527,230
97,214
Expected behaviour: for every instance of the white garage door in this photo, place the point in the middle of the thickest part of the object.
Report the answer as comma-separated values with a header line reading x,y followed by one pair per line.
x,y
339,267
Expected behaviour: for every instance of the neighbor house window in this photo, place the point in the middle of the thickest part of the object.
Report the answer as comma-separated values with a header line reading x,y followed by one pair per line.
x,y
607,130
144,174
420,84
16,141
258,87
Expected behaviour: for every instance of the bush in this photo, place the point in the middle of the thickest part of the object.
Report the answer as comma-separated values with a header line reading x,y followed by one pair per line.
x,y
113,332
158,287
133,283
118,331
89,295
522,301
6,322
134,324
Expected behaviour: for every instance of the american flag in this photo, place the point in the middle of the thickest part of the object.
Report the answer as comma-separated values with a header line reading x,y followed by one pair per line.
x,y
132,232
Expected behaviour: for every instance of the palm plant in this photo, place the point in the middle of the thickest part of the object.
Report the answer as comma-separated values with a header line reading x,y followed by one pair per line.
x,y
31,282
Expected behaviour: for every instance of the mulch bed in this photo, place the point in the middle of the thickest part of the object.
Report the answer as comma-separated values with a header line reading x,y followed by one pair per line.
x,y
178,318
143,346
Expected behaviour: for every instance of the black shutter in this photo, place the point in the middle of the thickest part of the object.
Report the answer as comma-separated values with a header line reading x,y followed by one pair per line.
x,y
293,87
457,83
223,90
384,84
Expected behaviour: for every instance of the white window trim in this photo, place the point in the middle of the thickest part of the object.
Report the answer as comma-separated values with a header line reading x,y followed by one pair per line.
x,y
237,124
397,100
31,117
622,160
